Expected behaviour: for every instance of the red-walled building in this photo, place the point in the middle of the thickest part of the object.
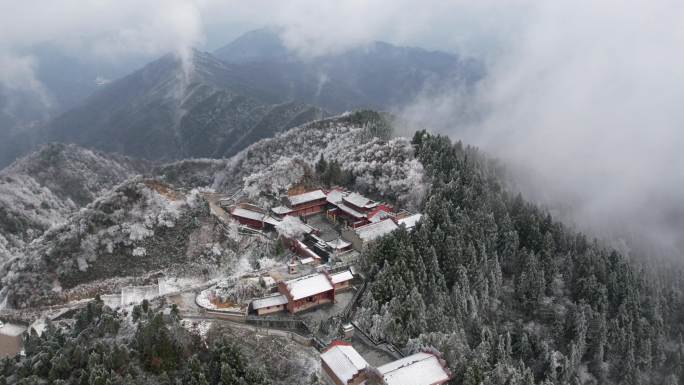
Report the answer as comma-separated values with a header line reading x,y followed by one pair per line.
x,y
380,212
305,251
308,203
343,365
248,216
359,202
252,216
306,292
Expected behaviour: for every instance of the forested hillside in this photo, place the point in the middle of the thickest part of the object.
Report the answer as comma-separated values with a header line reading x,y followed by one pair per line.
x,y
511,296
41,189
104,347
506,293
137,227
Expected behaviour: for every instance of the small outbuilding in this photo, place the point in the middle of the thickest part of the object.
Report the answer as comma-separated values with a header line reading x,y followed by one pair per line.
x,y
417,369
409,220
268,305
343,365
360,236
307,292
342,280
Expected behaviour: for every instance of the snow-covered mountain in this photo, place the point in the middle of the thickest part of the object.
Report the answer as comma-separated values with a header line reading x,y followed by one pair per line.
x,y
43,188
162,223
140,226
377,163
174,109
378,75
214,105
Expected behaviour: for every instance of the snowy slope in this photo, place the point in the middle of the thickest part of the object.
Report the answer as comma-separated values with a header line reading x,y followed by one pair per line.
x,y
43,188
141,226
386,168
160,224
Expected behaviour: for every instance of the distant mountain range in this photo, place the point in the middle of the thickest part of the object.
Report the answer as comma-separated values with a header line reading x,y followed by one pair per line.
x,y
167,111
217,104
377,76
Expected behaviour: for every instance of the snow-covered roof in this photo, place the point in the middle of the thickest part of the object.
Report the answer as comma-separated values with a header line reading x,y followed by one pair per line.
x,y
410,221
338,244
344,361
379,215
375,230
342,276
281,210
335,196
306,250
292,227
306,261
271,220
274,300
350,210
249,214
357,200
306,197
13,330
416,369
308,285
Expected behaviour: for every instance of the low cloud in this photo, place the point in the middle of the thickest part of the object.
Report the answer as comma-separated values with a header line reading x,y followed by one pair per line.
x,y
584,96
586,108
106,30
17,76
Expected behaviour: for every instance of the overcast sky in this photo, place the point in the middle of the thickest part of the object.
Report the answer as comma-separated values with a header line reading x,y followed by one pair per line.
x,y
586,96
586,100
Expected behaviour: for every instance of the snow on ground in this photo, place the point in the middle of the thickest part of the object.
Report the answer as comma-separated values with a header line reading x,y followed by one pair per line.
x,y
268,263
286,361
292,227
136,294
380,167
203,299
199,328
242,267
174,284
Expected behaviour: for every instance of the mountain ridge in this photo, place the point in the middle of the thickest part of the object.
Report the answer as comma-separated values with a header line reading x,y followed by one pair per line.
x,y
214,105
165,111
377,75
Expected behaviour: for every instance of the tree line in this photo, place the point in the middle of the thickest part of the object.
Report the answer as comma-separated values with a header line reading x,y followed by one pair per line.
x,y
511,296
102,347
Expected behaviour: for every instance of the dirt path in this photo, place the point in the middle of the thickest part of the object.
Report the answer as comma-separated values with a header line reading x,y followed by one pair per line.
x,y
215,208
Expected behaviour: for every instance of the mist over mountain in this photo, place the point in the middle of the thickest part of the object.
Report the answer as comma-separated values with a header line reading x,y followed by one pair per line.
x,y
59,79
504,202
374,75
213,105
168,111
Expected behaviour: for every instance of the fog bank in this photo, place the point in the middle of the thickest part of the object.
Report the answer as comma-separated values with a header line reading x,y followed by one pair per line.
x,y
586,108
